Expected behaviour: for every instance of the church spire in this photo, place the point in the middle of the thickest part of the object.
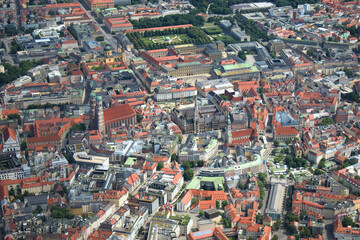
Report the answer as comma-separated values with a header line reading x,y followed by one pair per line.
x,y
196,117
228,138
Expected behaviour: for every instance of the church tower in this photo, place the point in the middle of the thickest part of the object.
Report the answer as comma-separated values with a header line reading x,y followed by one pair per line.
x,y
93,111
123,54
107,51
196,118
228,135
100,116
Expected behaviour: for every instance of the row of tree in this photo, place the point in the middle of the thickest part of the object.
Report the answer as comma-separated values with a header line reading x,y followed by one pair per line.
x,y
195,35
250,27
223,7
169,20
261,182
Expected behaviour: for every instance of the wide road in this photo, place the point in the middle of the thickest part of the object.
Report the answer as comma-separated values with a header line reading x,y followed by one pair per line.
x,y
8,56
107,36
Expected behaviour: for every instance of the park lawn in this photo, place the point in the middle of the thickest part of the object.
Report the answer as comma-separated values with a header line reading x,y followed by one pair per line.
x,y
207,24
225,38
182,37
213,30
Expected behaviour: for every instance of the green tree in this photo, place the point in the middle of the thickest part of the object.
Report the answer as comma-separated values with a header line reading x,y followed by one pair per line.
x,y
188,174
174,157
12,192
321,164
139,117
349,162
287,151
302,215
310,52
141,230
305,233
78,127
292,217
160,166
292,230
225,97
259,218
201,213
348,221
226,222
242,55
186,165
348,72
224,203
288,141
15,116
318,172
100,38
277,224
327,121
14,47
262,177
200,163
275,237
10,30
217,204
60,212
276,143
38,209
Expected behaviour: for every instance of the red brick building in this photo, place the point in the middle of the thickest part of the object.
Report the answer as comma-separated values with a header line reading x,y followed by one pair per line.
x,y
122,115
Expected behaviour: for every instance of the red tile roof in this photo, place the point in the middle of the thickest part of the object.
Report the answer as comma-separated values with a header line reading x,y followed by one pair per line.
x,y
109,194
286,131
9,133
133,178
6,112
118,113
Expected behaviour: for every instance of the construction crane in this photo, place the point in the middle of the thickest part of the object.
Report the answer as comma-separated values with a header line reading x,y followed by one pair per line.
x,y
181,97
